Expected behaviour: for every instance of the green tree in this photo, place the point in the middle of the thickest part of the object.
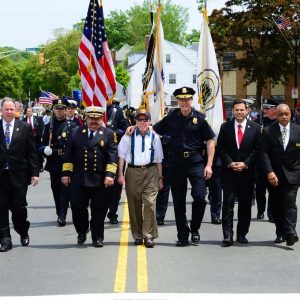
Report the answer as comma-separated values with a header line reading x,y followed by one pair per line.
x,y
11,81
252,31
118,29
122,76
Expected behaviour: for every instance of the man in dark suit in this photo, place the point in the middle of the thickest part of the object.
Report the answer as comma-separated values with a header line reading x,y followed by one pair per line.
x,y
238,146
281,158
18,168
118,123
90,165
37,125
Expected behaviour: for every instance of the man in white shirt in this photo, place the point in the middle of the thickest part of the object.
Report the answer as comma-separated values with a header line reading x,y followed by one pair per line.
x,y
143,153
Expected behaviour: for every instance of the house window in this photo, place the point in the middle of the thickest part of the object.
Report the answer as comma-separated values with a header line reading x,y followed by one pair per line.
x,y
172,78
174,101
168,58
194,78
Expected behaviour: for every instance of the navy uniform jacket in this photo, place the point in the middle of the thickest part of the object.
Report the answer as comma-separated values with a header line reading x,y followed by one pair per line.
x,y
60,136
89,162
275,159
116,120
21,156
186,133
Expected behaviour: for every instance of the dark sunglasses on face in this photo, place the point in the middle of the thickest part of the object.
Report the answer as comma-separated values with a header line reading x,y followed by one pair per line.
x,y
142,120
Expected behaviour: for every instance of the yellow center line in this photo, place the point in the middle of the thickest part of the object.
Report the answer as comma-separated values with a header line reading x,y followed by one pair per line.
x,y
121,272
142,269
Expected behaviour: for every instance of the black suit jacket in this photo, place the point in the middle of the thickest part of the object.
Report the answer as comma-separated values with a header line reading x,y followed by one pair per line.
x,y
275,159
248,152
21,156
38,125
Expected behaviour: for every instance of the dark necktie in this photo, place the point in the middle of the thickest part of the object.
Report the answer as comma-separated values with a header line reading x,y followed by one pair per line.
x,y
91,135
240,134
7,134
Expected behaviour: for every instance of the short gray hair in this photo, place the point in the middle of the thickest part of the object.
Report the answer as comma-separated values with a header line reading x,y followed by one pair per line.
x,y
6,99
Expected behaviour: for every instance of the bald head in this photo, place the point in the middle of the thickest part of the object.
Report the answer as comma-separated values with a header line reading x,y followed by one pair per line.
x,y
283,114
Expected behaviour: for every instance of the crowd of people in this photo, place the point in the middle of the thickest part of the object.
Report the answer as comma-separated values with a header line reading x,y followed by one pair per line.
x,y
90,156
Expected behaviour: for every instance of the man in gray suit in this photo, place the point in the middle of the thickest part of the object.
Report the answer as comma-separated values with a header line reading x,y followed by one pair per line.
x,y
281,158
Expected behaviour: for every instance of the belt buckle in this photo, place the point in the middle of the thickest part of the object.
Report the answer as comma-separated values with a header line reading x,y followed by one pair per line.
x,y
186,154
60,151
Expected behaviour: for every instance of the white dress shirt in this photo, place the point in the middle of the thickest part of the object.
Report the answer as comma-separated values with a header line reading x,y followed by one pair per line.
x,y
236,130
11,127
141,157
287,134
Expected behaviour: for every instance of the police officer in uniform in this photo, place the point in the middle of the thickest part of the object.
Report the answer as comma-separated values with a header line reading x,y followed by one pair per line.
x,y
188,130
70,112
90,165
54,142
118,123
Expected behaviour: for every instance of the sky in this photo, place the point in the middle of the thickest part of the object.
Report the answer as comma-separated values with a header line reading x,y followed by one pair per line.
x,y
29,23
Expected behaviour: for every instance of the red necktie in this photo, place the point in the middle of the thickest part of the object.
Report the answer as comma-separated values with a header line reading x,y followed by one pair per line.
x,y
240,134
30,122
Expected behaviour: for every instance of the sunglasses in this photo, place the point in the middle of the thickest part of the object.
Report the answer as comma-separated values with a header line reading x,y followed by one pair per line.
x,y
143,120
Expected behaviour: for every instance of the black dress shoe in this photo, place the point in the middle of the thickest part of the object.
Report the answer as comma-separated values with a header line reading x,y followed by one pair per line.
x,y
25,240
216,221
81,238
148,243
242,240
138,242
160,222
195,237
260,216
113,221
227,242
291,240
279,240
61,222
182,243
5,246
98,243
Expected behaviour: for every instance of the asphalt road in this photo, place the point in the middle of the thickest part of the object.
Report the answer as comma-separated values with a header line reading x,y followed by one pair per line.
x,y
53,264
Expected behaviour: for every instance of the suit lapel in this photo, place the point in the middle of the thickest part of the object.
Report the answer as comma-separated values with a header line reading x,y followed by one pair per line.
x,y
2,137
278,135
16,131
232,133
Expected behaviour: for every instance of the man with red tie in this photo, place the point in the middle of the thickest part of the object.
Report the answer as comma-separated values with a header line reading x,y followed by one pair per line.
x,y
238,146
37,125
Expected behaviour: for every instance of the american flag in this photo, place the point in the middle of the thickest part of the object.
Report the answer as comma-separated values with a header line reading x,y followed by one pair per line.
x,y
283,23
95,62
47,97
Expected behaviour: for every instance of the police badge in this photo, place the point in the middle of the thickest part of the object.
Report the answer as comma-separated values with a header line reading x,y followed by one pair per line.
x,y
195,121
64,134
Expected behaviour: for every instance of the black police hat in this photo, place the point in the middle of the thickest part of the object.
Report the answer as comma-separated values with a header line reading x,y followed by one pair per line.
x,y
269,103
184,92
59,103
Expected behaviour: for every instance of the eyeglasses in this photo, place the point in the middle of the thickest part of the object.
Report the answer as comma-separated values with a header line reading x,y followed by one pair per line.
x,y
142,120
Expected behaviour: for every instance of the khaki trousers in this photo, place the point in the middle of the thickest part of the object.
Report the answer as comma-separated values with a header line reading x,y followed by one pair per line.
x,y
142,186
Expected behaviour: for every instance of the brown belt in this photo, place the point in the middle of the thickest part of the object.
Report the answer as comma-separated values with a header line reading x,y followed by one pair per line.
x,y
141,167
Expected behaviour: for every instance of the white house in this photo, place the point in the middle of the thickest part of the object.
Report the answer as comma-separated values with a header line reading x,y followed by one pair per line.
x,y
180,69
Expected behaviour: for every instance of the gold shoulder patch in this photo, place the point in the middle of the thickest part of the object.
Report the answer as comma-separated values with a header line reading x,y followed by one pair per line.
x,y
115,137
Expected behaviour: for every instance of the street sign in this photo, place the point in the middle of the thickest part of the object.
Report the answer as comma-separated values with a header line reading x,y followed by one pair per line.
x,y
36,49
294,93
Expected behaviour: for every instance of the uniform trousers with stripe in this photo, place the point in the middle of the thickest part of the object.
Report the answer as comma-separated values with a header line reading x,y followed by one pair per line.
x,y
142,185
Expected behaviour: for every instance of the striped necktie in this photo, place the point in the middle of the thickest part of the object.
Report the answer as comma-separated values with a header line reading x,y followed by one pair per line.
x,y
7,135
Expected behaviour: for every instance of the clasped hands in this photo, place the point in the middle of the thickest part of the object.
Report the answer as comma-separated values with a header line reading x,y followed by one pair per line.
x,y
238,166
